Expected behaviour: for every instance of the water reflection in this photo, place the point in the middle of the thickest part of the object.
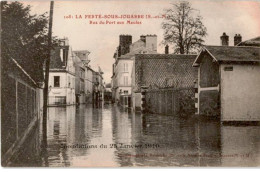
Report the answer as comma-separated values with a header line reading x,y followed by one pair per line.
x,y
241,144
110,136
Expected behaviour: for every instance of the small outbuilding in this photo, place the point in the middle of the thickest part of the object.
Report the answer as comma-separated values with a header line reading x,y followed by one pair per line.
x,y
229,82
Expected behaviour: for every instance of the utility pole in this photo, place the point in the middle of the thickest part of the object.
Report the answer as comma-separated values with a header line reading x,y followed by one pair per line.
x,y
47,67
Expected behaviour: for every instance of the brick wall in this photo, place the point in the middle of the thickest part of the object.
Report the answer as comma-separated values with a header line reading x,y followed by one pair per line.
x,y
170,81
164,71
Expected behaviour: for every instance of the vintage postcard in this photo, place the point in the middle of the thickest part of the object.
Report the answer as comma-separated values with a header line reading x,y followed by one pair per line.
x,y
130,83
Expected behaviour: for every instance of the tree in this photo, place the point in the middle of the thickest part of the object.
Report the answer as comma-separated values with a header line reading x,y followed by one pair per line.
x,y
24,37
183,28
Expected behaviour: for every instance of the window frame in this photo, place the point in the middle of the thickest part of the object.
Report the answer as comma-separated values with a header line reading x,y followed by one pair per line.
x,y
54,81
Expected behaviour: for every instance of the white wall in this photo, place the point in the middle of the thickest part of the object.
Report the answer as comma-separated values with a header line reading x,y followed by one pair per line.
x,y
121,72
63,79
70,65
65,89
240,93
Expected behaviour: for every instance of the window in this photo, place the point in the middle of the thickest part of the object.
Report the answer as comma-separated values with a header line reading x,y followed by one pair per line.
x,y
125,67
125,80
56,81
125,92
82,73
61,54
228,68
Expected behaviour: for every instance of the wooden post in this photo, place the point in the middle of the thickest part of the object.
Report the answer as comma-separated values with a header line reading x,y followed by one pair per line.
x,y
46,83
143,101
16,108
166,102
172,107
47,67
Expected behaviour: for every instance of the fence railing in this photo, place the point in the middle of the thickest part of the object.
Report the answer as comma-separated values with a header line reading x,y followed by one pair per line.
x,y
20,105
171,101
57,100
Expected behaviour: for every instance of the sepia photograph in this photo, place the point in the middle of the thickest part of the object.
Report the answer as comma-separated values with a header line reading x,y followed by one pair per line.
x,y
130,83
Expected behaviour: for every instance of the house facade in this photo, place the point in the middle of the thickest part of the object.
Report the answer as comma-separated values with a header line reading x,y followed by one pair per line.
x,y
89,72
79,80
98,87
85,97
228,82
62,76
124,55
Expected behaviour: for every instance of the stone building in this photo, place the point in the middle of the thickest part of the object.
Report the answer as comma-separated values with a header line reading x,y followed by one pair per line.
x,y
62,76
85,97
79,80
89,76
98,87
124,55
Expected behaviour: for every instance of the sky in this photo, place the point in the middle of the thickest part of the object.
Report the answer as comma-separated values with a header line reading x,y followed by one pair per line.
x,y
232,17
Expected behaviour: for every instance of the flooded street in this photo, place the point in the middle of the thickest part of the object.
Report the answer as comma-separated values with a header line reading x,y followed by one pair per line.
x,y
110,136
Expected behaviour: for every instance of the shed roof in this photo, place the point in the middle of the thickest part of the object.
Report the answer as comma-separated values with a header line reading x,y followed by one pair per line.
x,y
251,42
166,56
231,54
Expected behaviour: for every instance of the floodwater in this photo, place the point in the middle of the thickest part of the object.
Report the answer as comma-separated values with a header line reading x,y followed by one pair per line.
x,y
113,137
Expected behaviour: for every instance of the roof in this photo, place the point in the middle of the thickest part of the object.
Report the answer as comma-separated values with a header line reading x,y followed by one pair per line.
x,y
22,69
138,42
166,56
231,54
83,55
77,61
251,42
134,52
55,61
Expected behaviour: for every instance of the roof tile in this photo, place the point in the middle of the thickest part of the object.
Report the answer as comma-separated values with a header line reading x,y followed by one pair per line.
x,y
234,53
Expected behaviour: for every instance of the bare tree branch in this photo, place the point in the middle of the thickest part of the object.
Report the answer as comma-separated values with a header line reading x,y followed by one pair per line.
x,y
183,28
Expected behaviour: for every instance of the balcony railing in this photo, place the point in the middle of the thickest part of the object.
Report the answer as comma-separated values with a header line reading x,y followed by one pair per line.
x,y
57,100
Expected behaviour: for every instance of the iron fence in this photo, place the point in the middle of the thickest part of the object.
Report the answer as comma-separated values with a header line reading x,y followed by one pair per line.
x,y
19,107
57,100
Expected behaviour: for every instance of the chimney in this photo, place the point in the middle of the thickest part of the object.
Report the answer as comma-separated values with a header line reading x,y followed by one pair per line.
x,y
142,38
167,49
237,39
224,39
124,44
151,42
